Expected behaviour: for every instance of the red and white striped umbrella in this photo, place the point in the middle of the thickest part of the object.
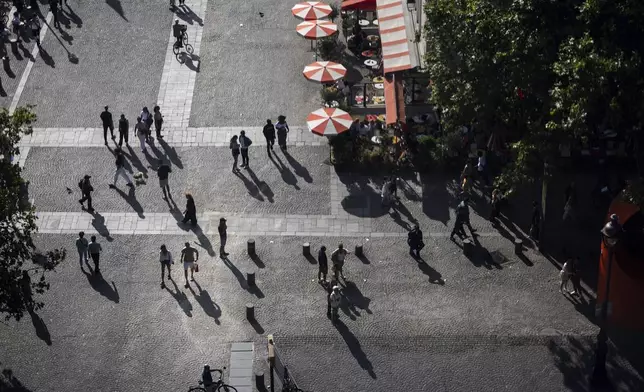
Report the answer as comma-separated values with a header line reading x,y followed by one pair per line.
x,y
311,10
328,121
314,29
324,71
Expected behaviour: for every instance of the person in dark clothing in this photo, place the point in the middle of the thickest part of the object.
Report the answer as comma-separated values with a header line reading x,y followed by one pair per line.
x,y
282,131
120,169
269,134
124,129
86,192
415,241
177,31
158,121
53,6
223,237
535,221
323,264
462,218
191,211
106,118
163,172
95,250
244,143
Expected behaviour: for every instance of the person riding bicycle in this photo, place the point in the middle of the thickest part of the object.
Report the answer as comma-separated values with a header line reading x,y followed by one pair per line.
x,y
177,31
206,377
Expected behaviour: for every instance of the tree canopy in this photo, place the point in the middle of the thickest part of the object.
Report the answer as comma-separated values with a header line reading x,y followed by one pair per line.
x,y
22,267
536,72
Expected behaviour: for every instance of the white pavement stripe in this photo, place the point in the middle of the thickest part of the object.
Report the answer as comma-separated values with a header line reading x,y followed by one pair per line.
x,y
178,79
240,225
30,64
177,137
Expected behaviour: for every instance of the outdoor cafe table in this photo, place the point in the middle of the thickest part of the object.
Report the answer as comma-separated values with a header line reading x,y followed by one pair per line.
x,y
374,22
370,63
363,22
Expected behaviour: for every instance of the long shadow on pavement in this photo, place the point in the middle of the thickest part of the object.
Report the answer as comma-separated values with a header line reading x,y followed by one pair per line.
x,y
204,242
354,346
101,286
434,276
118,7
186,14
99,224
287,175
355,298
181,298
299,169
207,304
171,153
41,329
130,198
9,382
262,186
252,188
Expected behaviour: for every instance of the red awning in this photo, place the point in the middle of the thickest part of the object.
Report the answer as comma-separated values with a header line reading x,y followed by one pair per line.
x,y
394,99
365,5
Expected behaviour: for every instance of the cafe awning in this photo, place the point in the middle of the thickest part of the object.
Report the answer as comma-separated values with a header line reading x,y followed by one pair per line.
x,y
365,5
393,36
394,99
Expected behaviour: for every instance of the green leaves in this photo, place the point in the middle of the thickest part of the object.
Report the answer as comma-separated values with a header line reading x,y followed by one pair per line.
x,y
22,268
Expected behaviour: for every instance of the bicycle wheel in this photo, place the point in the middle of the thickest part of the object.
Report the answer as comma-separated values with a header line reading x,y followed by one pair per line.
x,y
226,388
189,49
175,49
197,389
185,39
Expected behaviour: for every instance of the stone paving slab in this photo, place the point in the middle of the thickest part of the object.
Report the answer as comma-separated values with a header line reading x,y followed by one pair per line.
x,y
176,136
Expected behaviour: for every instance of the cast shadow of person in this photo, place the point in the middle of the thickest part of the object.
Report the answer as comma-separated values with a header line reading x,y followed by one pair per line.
x,y
136,162
238,274
171,153
99,225
9,382
354,298
434,276
101,286
396,210
186,14
73,16
116,6
41,328
181,298
287,175
299,169
130,198
46,57
354,346
262,186
204,242
250,186
207,304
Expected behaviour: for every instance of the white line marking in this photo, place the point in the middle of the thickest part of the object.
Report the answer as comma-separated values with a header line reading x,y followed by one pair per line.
x,y
30,64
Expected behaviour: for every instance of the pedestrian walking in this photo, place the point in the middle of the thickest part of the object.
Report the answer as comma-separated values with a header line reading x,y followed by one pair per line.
x,y
147,120
120,169
82,246
158,121
282,131
191,211
165,258
86,192
575,278
535,221
108,123
323,264
337,257
141,133
163,171
53,7
95,250
496,205
34,25
269,134
223,237
234,148
124,130
189,258
481,167
415,241
564,276
462,218
244,143
335,299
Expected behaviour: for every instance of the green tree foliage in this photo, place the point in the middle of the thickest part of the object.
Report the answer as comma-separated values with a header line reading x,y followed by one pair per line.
x,y
22,268
536,72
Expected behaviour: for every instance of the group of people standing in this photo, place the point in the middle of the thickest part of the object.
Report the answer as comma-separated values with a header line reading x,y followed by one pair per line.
x,y
239,144
142,127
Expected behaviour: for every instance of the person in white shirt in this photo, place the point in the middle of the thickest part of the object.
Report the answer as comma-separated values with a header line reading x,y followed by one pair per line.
x,y
141,133
147,119
482,167
165,258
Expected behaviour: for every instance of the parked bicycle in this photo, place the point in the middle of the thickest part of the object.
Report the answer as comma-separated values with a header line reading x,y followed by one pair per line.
x,y
217,385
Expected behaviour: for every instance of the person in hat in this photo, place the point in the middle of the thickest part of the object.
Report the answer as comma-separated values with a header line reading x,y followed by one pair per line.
x,y
244,143
269,134
86,192
108,123
222,237
282,131
335,299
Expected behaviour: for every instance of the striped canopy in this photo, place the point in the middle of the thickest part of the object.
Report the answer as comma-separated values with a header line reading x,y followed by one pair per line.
x,y
328,121
324,71
314,29
311,10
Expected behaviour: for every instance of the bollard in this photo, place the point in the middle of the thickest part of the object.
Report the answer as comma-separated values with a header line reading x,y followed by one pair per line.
x,y
358,251
250,311
306,249
518,246
467,247
251,247
250,278
259,381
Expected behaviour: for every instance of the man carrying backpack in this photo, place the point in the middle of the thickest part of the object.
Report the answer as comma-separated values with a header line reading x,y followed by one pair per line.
x,y
86,191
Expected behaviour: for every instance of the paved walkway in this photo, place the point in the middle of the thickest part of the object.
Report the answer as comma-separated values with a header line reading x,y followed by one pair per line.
x,y
178,78
177,137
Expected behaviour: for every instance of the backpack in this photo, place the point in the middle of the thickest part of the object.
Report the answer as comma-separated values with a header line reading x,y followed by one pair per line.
x,y
249,141
80,184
